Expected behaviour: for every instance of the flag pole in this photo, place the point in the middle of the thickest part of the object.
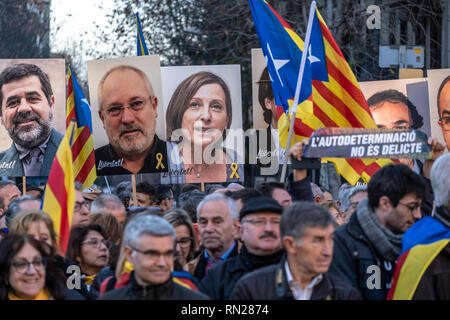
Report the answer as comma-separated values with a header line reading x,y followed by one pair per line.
x,y
107,184
24,185
133,188
297,90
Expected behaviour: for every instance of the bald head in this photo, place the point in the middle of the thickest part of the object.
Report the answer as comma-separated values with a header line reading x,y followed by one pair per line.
x,y
122,71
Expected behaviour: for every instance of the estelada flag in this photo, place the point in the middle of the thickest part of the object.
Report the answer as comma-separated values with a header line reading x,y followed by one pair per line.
x,y
141,47
78,109
330,95
59,196
420,245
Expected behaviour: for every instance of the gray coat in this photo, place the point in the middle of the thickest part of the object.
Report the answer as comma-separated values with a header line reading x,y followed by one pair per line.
x,y
10,164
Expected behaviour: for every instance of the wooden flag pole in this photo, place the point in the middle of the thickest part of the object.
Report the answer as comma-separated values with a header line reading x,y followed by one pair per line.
x,y
202,185
297,90
24,185
133,188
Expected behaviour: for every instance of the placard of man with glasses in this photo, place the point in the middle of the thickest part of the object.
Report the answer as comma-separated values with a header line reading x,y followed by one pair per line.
x,y
127,107
443,103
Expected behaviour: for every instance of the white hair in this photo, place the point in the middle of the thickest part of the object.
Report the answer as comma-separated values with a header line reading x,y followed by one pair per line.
x,y
440,175
232,207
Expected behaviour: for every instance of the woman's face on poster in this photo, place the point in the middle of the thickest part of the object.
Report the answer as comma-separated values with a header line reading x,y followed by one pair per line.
x,y
206,117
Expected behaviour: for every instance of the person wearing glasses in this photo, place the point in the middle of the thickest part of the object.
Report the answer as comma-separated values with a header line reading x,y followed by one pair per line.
x,y
186,239
166,198
88,247
149,245
260,234
391,109
128,111
367,247
81,210
27,271
443,103
306,231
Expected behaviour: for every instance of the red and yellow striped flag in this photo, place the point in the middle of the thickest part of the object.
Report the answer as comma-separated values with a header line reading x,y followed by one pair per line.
x,y
59,197
78,109
330,95
410,268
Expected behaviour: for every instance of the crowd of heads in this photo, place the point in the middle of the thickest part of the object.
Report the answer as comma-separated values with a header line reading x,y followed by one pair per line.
x,y
157,232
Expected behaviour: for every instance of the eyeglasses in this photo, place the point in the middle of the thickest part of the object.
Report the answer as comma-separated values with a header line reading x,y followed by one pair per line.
x,y
97,243
184,242
154,255
135,106
445,123
79,205
23,267
261,222
412,207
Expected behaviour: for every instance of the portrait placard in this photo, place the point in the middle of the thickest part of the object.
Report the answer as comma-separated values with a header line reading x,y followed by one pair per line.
x,y
203,111
439,84
33,115
389,113
127,115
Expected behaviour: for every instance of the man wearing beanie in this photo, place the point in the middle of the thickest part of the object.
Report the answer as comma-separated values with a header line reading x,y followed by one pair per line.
x,y
260,233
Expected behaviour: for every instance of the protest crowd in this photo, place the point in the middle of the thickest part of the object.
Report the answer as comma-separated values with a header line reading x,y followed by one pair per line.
x,y
199,233
273,241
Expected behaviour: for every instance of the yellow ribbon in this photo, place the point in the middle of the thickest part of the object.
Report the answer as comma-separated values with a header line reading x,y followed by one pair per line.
x,y
234,167
159,157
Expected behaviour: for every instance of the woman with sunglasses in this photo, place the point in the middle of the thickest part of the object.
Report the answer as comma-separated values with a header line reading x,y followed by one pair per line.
x,y
88,247
27,271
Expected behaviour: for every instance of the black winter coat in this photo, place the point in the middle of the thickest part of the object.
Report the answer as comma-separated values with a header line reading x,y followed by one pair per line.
x,y
221,278
169,290
270,283
356,261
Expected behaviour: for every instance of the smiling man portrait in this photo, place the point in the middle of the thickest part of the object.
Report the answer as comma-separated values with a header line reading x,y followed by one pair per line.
x,y
27,107
128,111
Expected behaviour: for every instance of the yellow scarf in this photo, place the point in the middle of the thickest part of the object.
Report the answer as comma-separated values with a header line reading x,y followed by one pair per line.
x,y
42,295
89,279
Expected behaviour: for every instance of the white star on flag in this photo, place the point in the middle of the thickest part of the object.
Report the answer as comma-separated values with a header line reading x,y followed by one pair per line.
x,y
278,63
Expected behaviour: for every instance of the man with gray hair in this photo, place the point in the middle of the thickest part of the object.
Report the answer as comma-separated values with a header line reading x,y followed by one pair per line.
x,y
428,239
109,203
218,221
128,111
351,198
149,244
19,205
307,231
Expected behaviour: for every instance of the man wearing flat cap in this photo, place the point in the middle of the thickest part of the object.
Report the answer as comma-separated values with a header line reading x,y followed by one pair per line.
x,y
260,233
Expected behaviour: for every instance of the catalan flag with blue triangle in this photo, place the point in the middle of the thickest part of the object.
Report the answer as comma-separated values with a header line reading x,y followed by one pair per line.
x,y
330,95
420,246
141,47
